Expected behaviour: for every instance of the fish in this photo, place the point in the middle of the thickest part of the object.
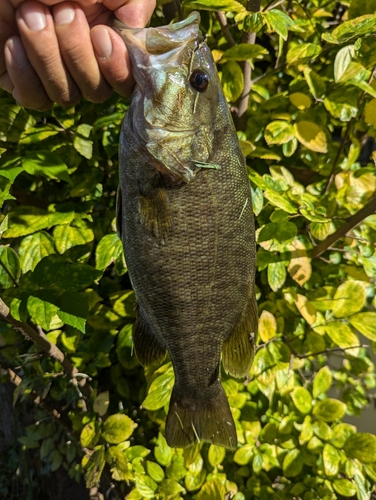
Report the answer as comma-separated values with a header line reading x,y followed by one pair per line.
x,y
186,222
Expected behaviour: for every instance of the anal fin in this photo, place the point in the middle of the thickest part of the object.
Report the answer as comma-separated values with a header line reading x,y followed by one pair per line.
x,y
148,349
239,349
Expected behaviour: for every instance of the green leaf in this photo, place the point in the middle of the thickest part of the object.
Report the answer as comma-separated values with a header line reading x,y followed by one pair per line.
x,y
341,433
10,267
253,23
170,487
157,398
47,164
292,463
279,22
355,28
267,326
331,460
322,381
281,201
243,52
302,399
279,132
211,490
90,435
34,135
303,53
329,409
108,250
362,446
342,105
70,339
155,471
162,452
118,428
81,142
24,220
226,5
311,135
74,309
232,80
42,306
349,298
118,463
244,454
360,8
33,248
342,61
315,83
216,455
54,271
365,323
71,235
281,232
146,485
342,335
344,487
276,275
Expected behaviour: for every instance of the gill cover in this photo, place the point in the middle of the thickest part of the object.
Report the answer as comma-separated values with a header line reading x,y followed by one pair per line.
x,y
176,95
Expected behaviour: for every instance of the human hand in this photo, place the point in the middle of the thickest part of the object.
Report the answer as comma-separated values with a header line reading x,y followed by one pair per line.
x,y
59,51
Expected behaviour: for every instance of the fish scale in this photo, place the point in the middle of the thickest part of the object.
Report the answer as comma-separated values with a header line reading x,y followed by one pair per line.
x,y
187,231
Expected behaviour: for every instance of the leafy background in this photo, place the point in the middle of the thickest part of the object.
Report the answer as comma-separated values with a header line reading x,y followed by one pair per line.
x,y
84,407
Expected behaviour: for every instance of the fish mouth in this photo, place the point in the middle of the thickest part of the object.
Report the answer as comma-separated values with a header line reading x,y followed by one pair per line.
x,y
169,43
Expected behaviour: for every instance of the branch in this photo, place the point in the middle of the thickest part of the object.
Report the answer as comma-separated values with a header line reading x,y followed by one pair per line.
x,y
66,425
354,220
39,338
225,29
240,118
325,351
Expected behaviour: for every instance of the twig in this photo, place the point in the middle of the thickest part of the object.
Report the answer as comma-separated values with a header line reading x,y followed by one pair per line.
x,y
39,338
240,118
361,104
325,351
354,220
65,423
225,29
8,273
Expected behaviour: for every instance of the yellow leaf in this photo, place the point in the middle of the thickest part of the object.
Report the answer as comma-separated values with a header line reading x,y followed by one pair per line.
x,y
101,403
267,326
300,268
300,100
312,136
370,112
306,309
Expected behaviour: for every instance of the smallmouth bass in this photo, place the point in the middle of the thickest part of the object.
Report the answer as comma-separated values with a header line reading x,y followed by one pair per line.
x,y
186,222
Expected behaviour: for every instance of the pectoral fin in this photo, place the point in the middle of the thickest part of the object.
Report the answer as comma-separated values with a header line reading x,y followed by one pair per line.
x,y
154,207
147,347
238,350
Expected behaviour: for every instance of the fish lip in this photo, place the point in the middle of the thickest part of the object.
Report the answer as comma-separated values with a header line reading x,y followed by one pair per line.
x,y
167,42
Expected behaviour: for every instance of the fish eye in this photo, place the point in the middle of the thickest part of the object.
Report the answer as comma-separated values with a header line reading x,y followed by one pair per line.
x,y
199,80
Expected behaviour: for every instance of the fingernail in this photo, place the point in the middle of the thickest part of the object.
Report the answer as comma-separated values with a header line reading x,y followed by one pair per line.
x,y
102,42
64,14
34,16
16,51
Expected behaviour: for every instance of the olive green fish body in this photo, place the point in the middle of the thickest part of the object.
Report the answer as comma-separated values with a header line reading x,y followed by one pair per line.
x,y
188,236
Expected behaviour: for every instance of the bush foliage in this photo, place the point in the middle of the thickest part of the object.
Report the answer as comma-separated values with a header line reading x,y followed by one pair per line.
x,y
308,136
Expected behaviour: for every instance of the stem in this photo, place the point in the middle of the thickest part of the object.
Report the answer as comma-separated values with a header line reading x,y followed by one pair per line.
x,y
225,29
354,220
39,338
8,273
240,118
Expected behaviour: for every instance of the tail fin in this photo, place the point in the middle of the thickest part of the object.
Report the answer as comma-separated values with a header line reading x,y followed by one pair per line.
x,y
207,418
